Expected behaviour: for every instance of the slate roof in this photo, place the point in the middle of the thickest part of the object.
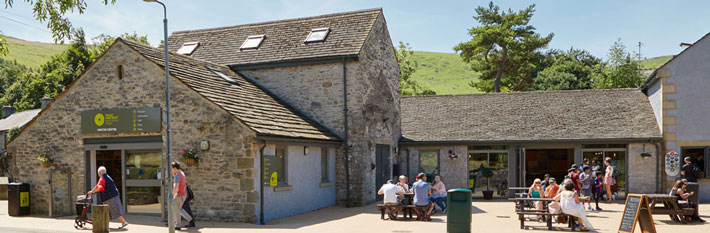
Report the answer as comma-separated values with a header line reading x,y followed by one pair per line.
x,y
284,39
529,116
260,111
18,119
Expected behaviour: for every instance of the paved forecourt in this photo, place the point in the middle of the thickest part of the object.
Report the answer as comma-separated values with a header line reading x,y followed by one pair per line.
x,y
488,216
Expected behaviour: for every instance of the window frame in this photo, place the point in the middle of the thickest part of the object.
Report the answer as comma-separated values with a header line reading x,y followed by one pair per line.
x,y
252,37
284,163
706,154
437,170
188,45
308,37
325,165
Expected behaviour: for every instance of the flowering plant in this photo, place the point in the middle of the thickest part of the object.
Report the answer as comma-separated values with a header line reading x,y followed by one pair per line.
x,y
46,159
190,154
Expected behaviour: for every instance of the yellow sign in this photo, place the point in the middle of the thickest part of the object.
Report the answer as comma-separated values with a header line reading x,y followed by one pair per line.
x,y
99,119
274,179
24,199
470,184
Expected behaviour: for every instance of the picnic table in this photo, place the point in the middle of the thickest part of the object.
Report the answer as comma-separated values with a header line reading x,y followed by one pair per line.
x,y
670,207
407,209
521,211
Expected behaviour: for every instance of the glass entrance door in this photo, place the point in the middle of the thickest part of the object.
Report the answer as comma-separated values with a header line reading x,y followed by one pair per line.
x,y
618,161
143,187
497,161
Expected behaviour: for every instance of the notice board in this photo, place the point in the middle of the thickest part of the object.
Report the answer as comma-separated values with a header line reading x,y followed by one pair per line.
x,y
636,210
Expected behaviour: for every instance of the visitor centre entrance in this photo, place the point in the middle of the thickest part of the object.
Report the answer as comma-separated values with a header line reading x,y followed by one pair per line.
x,y
135,166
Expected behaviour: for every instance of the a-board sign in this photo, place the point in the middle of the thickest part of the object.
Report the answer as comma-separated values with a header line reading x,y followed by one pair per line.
x,y
636,210
121,120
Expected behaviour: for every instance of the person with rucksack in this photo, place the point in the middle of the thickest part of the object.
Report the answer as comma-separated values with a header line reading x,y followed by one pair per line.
x,y
186,206
690,171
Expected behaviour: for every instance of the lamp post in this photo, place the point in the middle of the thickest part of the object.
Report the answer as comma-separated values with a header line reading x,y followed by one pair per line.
x,y
168,159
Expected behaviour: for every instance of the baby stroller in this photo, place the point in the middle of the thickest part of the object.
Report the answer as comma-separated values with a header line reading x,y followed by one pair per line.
x,y
83,203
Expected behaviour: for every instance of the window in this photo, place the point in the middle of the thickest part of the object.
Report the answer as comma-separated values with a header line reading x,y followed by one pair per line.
x,y
222,75
119,72
252,42
429,162
188,48
698,155
317,35
274,167
281,165
324,165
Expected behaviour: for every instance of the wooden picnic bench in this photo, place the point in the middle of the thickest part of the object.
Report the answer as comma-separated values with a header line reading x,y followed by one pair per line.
x,y
407,210
670,207
522,212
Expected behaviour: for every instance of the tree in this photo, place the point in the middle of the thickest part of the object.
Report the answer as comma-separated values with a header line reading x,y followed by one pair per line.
x,y
567,70
52,12
407,67
504,48
620,71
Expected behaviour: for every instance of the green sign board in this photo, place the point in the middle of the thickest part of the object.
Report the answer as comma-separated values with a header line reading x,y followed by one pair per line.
x,y
121,120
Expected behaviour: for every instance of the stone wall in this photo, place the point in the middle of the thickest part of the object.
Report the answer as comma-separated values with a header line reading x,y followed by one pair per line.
x,y
373,105
223,182
454,172
642,171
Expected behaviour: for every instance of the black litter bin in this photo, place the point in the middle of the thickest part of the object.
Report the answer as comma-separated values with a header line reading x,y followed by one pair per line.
x,y
695,188
18,199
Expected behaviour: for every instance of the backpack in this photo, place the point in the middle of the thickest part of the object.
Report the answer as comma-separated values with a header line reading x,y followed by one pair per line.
x,y
190,195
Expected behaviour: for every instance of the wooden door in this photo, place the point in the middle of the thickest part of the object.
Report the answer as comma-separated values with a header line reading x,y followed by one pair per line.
x,y
111,159
382,171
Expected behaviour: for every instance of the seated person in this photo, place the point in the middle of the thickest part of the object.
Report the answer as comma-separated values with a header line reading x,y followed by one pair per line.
x,y
438,195
570,202
421,198
535,191
390,192
552,188
680,191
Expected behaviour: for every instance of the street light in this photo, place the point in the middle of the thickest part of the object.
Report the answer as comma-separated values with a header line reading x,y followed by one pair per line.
x,y
168,159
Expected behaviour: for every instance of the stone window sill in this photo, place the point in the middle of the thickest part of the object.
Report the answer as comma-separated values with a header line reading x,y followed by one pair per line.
x,y
282,188
326,184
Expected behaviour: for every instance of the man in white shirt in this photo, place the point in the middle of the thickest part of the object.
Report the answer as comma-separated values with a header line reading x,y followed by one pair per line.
x,y
390,192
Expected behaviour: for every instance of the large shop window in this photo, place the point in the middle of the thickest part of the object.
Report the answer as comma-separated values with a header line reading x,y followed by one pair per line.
x,y
493,157
698,155
429,163
324,165
597,153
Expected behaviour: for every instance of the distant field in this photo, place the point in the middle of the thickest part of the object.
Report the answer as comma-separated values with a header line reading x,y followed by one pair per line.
x,y
31,54
444,73
655,62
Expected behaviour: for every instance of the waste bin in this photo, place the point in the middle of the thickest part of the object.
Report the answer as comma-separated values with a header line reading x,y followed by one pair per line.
x,y
18,199
695,188
458,211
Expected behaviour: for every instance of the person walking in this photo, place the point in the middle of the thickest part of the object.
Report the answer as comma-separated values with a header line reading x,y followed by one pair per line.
x,y
108,192
597,191
179,195
608,178
186,206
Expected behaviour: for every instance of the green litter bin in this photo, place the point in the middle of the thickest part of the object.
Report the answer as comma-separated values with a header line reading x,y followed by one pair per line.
x,y
458,211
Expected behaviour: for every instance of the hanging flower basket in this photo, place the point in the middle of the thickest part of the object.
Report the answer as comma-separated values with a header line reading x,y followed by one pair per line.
x,y
47,164
46,160
190,157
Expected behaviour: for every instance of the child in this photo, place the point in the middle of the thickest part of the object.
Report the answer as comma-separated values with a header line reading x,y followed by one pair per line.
x,y
597,190
585,179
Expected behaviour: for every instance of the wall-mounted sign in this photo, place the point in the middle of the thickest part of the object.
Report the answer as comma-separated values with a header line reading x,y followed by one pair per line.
x,y
121,120
24,199
672,163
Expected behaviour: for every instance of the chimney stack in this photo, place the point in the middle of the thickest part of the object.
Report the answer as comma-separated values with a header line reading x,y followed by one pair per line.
x,y
7,111
45,101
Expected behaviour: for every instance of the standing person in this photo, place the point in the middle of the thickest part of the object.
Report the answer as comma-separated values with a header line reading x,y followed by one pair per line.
x,y
186,206
438,195
680,188
391,192
179,195
586,180
608,178
690,170
421,198
552,189
574,176
597,191
570,203
109,194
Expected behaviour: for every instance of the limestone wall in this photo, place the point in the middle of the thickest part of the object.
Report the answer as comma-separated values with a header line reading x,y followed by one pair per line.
x,y
642,172
224,181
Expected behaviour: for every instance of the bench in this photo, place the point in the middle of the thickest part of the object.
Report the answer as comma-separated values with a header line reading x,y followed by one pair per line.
x,y
571,223
670,207
406,210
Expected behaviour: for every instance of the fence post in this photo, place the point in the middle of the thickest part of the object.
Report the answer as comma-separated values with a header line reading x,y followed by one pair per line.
x,y
100,218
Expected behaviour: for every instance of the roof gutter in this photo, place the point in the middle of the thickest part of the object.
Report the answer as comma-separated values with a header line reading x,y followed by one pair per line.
x,y
458,142
299,141
296,62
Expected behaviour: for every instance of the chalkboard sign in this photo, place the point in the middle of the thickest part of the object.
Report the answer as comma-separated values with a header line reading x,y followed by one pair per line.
x,y
636,210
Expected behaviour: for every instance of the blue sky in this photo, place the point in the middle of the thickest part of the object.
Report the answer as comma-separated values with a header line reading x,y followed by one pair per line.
x,y
426,25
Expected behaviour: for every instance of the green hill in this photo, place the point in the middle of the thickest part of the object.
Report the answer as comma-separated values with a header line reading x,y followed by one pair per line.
x,y
444,73
31,54
655,62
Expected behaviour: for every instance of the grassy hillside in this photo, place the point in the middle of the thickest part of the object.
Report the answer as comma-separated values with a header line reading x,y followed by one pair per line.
x,y
655,62
31,54
444,73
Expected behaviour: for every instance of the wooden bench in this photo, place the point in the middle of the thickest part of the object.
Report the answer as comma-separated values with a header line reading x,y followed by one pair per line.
x,y
670,207
548,217
406,210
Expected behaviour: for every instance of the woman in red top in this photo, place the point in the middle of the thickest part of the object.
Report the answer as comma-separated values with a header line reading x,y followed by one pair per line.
x,y
108,192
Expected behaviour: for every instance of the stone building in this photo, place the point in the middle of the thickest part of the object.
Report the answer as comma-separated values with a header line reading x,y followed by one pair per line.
x,y
287,117
522,136
317,65
681,105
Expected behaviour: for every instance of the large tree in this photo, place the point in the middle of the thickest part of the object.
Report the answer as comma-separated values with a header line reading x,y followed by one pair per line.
x,y
53,13
620,70
407,67
566,70
504,48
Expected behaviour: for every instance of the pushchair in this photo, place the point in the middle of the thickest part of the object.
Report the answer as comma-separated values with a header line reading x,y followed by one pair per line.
x,y
83,203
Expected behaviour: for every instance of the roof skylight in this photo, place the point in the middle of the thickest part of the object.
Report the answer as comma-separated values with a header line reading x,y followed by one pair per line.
x,y
317,35
188,48
252,42
223,76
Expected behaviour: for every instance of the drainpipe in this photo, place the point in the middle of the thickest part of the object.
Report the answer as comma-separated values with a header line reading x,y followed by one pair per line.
x,y
658,166
345,135
261,184
408,174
